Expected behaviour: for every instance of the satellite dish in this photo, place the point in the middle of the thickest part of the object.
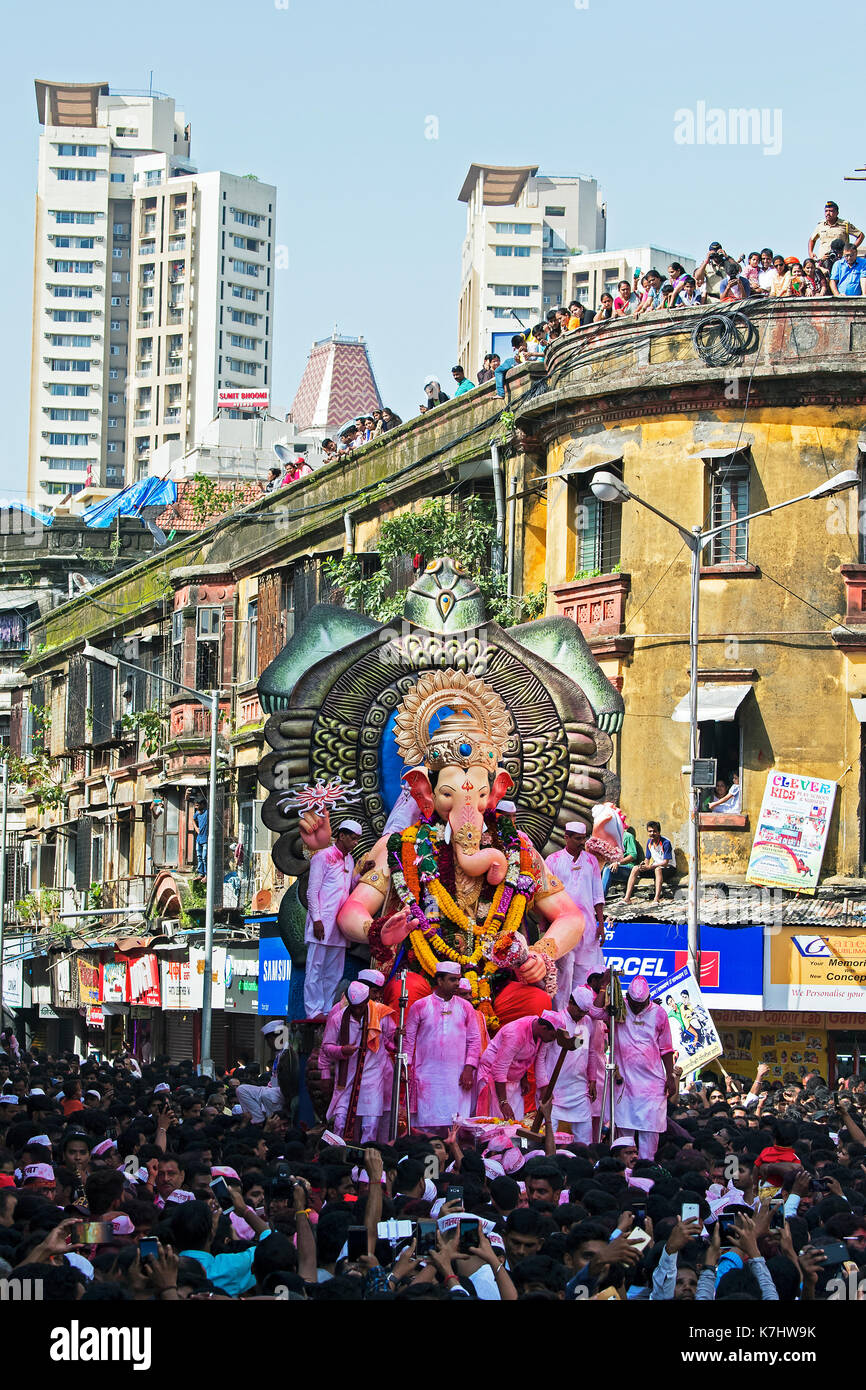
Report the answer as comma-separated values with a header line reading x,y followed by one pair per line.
x,y
79,582
284,455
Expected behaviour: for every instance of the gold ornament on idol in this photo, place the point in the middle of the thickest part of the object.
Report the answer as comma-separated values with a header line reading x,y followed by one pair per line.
x,y
473,736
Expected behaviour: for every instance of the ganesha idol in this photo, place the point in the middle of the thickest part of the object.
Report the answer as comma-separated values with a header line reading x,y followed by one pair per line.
x,y
451,875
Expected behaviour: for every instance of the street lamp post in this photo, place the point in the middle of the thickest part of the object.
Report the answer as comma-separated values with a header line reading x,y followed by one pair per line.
x,y
607,487
210,701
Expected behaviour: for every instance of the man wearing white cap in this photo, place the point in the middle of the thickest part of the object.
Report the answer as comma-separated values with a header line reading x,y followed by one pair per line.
x,y
580,876
328,886
375,982
576,1085
260,1102
503,1071
443,1046
644,1055
358,1041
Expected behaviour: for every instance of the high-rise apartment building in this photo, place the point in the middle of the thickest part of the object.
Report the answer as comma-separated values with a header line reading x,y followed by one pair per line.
x,y
90,142
201,300
153,287
522,228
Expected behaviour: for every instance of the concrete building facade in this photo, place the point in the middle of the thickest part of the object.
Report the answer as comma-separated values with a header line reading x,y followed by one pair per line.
x,y
88,150
522,229
202,294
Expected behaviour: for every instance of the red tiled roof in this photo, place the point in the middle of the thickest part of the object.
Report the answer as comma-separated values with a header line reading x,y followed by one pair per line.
x,y
183,516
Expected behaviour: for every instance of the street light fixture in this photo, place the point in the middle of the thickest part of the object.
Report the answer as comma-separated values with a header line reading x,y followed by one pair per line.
x,y
210,701
607,487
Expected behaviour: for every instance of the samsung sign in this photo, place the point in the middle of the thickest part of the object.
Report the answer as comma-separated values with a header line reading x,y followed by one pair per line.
x,y
275,975
732,961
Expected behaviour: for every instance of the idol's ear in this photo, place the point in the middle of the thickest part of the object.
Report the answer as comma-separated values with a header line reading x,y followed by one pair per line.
x,y
502,783
419,785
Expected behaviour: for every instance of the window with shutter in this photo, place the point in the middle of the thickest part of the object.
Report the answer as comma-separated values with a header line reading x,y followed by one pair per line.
x,y
37,715
76,702
270,618
83,837
16,714
102,702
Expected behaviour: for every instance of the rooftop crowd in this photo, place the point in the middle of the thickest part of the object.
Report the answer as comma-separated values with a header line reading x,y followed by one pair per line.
x,y
755,1194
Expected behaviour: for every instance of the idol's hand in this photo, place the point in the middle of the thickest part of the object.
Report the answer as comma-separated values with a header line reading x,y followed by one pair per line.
x,y
533,969
396,928
315,830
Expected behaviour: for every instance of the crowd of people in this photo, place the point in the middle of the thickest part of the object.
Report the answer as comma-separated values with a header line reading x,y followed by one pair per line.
x,y
120,1182
563,1153
832,266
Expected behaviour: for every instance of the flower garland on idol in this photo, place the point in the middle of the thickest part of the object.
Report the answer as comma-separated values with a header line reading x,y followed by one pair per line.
x,y
413,858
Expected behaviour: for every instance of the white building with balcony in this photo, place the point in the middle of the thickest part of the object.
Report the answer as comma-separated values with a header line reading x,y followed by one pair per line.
x,y
522,229
91,139
202,297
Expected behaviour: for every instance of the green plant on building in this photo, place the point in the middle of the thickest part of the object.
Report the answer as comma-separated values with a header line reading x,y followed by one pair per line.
x,y
209,500
104,560
467,534
38,906
149,724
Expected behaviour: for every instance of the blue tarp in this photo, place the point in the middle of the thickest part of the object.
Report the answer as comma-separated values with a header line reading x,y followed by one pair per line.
x,y
130,501
46,518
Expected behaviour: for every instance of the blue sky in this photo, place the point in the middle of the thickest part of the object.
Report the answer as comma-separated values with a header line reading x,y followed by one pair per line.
x,y
329,99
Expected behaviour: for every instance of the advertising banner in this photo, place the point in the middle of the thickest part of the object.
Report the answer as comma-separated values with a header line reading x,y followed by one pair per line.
x,y
181,984
112,986
732,959
693,1033
254,399
792,832
13,983
796,1048
275,975
242,981
809,970
88,983
144,980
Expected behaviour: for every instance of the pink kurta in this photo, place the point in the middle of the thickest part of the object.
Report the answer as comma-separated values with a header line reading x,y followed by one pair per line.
x,y
508,1058
442,1038
571,1101
581,879
641,1042
378,1065
328,886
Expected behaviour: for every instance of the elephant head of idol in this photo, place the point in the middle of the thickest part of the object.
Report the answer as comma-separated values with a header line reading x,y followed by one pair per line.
x,y
461,777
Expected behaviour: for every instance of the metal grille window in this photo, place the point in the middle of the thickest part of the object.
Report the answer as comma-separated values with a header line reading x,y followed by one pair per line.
x,y
207,648
729,484
598,534
76,702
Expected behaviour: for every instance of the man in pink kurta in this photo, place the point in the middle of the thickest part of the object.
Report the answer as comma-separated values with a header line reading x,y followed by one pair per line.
x,y
443,1045
376,1062
505,1064
328,886
577,1084
644,1056
580,876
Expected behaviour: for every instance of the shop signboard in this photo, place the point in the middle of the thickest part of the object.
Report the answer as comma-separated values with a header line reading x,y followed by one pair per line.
x,y
731,959
807,969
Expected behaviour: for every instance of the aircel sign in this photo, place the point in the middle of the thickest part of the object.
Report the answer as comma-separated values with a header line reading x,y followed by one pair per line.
x,y
731,959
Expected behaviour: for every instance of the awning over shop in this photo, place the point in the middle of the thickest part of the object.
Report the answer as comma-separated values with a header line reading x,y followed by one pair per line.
x,y
859,708
716,704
